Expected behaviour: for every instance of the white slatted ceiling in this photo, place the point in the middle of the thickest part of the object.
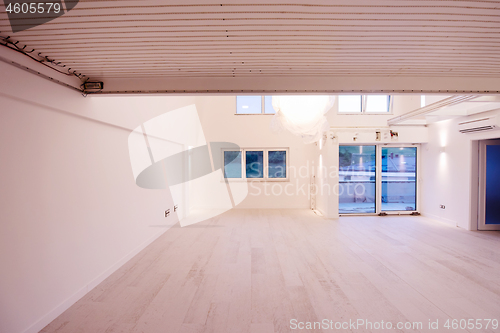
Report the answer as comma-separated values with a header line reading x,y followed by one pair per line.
x,y
119,39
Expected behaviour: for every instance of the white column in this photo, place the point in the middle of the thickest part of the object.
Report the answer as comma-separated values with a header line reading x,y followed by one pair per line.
x,y
327,178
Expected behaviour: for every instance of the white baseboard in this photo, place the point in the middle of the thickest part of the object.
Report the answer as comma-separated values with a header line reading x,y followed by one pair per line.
x,y
440,219
58,310
321,211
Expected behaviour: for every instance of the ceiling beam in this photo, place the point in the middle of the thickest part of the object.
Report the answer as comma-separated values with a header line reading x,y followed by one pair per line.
x,y
56,75
453,100
348,84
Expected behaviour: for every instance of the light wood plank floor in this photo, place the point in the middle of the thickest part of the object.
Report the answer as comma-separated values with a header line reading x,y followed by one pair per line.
x,y
256,270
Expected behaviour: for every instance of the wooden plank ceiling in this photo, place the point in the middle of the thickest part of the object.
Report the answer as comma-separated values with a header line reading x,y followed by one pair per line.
x,y
124,39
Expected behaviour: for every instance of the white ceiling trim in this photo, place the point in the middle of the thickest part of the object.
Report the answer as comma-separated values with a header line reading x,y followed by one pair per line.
x,y
333,46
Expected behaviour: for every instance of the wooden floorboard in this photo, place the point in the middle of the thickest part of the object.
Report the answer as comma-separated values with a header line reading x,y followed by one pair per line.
x,y
254,271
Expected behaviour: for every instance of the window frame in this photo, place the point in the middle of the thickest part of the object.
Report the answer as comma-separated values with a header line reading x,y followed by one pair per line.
x,y
262,106
364,102
265,168
378,179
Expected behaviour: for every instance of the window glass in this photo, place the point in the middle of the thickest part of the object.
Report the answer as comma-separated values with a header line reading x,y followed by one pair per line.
x,y
377,103
357,179
350,103
277,164
399,174
248,104
491,206
268,105
254,164
232,164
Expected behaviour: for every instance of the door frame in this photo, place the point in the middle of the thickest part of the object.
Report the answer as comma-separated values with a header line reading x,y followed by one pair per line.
x,y
417,179
481,203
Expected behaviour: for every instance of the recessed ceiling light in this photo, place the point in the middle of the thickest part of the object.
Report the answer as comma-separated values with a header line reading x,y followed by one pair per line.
x,y
245,106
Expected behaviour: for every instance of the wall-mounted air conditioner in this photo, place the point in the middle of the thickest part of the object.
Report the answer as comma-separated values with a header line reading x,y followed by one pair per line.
x,y
478,125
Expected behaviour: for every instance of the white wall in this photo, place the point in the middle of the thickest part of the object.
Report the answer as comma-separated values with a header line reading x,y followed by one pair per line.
x,y
344,131
71,212
401,104
220,124
327,180
446,176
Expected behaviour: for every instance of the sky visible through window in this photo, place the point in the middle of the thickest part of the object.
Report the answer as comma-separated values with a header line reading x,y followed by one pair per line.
x,y
350,103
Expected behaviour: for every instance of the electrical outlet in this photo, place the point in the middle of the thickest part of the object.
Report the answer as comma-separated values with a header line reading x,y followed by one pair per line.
x,y
176,207
167,212
442,206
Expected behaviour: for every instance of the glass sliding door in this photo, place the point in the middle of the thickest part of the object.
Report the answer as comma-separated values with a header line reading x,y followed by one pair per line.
x,y
399,174
357,179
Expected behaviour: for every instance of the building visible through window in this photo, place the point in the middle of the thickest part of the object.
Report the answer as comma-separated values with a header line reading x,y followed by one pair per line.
x,y
254,105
